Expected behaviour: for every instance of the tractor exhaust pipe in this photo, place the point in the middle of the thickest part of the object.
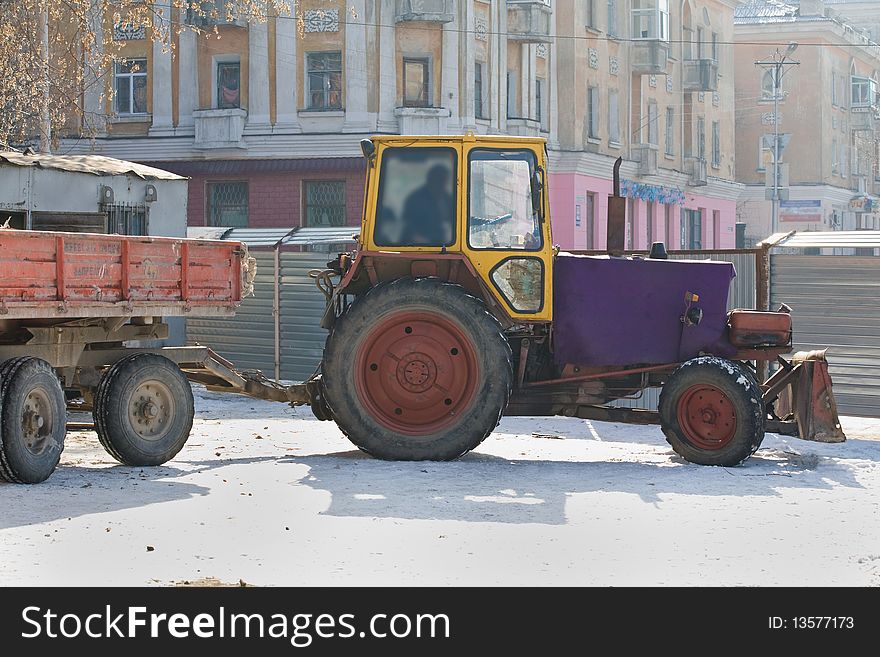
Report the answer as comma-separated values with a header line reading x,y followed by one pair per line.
x,y
616,240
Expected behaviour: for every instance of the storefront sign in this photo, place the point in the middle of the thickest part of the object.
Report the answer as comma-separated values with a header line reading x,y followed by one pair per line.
x,y
804,211
656,193
863,204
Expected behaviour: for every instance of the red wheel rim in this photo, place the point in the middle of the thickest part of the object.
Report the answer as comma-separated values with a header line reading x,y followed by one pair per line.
x,y
706,417
416,372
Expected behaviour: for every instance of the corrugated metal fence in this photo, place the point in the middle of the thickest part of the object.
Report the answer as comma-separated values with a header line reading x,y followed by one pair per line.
x,y
248,339
834,301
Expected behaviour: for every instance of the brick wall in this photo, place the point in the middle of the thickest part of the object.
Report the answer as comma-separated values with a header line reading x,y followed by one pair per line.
x,y
274,199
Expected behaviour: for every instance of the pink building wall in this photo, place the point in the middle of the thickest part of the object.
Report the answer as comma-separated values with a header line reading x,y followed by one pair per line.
x,y
569,190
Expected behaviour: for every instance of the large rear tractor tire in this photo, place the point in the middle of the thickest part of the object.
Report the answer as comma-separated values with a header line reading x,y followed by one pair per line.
x,y
33,420
417,369
712,412
143,410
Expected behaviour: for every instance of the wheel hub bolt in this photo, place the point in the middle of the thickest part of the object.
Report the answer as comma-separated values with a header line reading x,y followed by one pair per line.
x,y
150,410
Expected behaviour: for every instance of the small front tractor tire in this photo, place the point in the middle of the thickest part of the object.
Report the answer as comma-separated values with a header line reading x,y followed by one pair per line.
x,y
143,410
712,412
417,369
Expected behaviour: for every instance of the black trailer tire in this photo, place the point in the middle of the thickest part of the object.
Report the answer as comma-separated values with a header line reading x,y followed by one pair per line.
x,y
417,369
33,420
143,410
712,412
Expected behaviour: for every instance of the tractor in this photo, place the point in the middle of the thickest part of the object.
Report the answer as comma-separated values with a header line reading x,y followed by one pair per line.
x,y
456,308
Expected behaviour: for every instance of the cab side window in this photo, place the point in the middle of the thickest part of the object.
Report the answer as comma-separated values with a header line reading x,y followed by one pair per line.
x,y
501,213
417,197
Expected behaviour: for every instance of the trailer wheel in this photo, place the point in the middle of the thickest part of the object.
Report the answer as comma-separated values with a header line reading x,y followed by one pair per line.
x,y
33,420
712,412
143,410
417,369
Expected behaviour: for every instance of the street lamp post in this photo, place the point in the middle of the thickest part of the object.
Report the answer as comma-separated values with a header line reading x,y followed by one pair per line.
x,y
777,66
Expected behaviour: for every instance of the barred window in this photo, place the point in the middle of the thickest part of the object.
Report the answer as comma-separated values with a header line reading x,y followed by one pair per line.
x,y
125,219
324,203
228,204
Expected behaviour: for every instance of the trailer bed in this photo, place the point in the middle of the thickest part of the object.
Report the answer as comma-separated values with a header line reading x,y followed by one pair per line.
x,y
46,275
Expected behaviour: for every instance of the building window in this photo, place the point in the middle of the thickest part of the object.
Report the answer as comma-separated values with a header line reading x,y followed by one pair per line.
x,y
593,112
511,95
416,74
228,84
668,224
701,138
670,131
478,90
716,144
834,99
714,51
324,72
613,117
591,13
691,229
768,88
863,92
612,17
649,224
835,162
324,203
590,217
716,229
130,82
228,204
631,224
653,120
700,47
538,93
765,152
650,19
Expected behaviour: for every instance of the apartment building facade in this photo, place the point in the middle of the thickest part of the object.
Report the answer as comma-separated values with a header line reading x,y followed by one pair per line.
x,y
829,116
650,81
266,119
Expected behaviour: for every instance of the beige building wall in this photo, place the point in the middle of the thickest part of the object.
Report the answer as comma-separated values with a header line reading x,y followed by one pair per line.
x,y
832,153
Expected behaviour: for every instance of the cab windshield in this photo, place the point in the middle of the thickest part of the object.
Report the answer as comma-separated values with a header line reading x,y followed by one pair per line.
x,y
500,210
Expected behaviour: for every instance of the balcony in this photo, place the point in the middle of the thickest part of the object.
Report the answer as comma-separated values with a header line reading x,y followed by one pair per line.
x,y
528,21
697,171
646,156
213,13
649,56
219,128
430,11
864,118
699,75
422,120
523,127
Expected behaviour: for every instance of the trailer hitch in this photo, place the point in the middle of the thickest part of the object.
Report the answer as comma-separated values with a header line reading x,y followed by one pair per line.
x,y
800,400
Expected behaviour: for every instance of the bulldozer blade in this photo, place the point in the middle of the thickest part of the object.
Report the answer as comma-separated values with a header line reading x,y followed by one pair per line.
x,y
809,398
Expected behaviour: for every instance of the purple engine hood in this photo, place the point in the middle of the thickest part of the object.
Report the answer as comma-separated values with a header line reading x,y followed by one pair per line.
x,y
626,311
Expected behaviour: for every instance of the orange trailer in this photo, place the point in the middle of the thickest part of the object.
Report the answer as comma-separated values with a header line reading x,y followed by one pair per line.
x,y
81,317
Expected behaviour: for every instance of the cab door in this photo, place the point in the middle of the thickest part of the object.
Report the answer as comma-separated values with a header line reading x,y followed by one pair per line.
x,y
505,227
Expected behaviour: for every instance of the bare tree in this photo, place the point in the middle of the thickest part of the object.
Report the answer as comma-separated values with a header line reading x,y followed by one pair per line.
x,y
53,52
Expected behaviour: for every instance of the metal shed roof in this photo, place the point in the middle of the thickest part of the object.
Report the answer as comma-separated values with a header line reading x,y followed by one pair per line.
x,y
97,165
270,237
859,239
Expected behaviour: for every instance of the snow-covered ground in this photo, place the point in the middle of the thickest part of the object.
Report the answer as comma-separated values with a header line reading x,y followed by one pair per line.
x,y
269,495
